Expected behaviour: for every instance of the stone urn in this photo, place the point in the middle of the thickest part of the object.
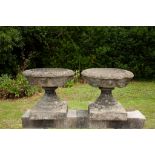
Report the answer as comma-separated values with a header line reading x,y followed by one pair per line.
x,y
50,107
106,107
105,112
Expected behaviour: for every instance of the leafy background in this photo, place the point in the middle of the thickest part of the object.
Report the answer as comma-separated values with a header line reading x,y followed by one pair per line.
x,y
77,48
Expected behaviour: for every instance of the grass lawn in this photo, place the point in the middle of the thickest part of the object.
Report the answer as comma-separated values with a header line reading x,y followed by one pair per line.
x,y
137,95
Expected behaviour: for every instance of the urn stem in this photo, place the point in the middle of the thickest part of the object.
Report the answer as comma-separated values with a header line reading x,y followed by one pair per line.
x,y
106,97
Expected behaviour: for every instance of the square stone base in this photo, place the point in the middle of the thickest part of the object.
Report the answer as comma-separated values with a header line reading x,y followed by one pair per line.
x,y
135,120
107,112
48,111
44,123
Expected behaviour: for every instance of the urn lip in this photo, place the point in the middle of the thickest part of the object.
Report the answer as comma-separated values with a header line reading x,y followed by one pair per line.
x,y
107,73
48,72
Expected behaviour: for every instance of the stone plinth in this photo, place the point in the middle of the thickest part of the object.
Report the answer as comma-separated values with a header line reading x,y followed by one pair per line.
x,y
41,123
50,107
79,119
107,112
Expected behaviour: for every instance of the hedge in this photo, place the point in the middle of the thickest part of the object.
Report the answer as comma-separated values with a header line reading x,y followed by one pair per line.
x,y
78,48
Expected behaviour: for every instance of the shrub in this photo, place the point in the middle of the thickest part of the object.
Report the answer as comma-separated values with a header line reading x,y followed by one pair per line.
x,y
75,79
78,48
10,41
69,84
15,88
77,76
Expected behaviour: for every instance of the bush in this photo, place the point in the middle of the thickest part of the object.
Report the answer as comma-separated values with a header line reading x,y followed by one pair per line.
x,y
10,41
15,88
69,84
78,48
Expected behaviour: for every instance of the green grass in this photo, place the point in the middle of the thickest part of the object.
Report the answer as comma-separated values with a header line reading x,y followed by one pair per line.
x,y
137,95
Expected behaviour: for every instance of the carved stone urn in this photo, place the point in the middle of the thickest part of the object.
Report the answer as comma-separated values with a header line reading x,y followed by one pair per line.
x,y
50,107
105,112
106,107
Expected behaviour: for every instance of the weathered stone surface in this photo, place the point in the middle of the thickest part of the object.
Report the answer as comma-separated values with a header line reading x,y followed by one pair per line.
x,y
26,123
77,119
96,124
48,72
106,108
80,119
107,77
44,123
135,120
50,111
48,77
107,112
105,98
107,73
49,107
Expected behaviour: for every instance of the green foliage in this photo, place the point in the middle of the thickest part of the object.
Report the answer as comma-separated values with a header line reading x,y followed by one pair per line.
x,y
78,48
77,76
10,40
69,84
75,79
15,88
